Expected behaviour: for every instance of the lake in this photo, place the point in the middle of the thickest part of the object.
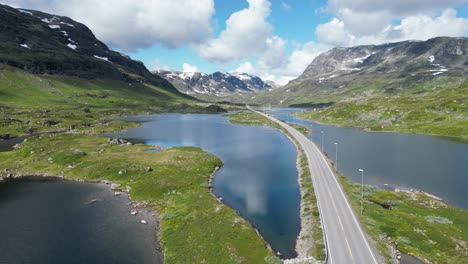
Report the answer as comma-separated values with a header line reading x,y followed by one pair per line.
x,y
432,164
259,175
57,222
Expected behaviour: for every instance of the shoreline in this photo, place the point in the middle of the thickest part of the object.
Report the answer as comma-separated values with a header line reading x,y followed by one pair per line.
x,y
149,214
367,129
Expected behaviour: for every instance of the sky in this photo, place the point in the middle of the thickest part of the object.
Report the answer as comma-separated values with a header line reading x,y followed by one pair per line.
x,y
273,39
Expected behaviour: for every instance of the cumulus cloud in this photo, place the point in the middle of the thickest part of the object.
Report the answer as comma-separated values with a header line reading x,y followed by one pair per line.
x,y
290,67
129,25
415,27
245,35
395,7
189,68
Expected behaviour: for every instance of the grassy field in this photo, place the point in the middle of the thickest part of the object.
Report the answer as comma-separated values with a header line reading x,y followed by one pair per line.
x,y
192,222
436,108
41,103
311,235
414,223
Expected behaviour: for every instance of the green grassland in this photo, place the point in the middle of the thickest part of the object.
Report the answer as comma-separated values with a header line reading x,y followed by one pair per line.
x,y
414,223
439,107
53,102
194,226
311,234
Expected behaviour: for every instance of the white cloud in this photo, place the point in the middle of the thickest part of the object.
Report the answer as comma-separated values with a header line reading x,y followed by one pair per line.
x,y
291,66
285,6
189,68
129,24
245,35
415,27
333,33
397,8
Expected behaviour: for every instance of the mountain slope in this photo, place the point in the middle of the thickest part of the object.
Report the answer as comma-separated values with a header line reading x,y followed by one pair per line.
x,y
217,84
411,86
55,75
43,43
373,70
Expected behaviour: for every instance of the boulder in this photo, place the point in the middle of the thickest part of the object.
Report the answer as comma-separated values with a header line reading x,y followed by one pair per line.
x,y
115,186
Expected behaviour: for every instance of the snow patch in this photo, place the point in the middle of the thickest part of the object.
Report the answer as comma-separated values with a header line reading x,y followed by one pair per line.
x,y
72,41
70,25
26,12
25,46
431,59
54,26
102,58
72,46
64,33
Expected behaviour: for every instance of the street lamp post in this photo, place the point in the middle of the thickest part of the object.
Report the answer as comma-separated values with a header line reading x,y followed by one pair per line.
x,y
322,138
336,156
362,189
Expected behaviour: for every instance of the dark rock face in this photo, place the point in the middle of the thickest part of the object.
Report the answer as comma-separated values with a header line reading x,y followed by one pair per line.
x,y
217,84
38,42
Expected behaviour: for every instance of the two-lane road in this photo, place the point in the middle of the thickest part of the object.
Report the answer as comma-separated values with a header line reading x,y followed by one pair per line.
x,y
345,239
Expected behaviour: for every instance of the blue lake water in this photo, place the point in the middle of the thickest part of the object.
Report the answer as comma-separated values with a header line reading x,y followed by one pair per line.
x,y
56,222
259,175
427,163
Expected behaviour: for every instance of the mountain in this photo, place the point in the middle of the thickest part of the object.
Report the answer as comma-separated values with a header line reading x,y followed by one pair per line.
x,y
217,84
40,43
370,70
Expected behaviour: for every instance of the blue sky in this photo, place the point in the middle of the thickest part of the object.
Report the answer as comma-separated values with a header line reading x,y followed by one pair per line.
x,y
274,39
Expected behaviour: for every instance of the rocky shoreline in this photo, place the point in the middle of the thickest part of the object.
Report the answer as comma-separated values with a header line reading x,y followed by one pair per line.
x,y
138,209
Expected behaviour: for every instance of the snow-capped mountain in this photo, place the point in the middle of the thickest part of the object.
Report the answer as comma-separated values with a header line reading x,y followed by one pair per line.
x,y
218,84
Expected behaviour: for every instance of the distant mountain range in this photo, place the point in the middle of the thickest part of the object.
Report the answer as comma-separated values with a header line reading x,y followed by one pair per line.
x,y
372,69
217,84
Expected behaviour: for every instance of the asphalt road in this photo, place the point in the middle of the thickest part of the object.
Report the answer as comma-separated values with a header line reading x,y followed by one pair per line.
x,y
345,239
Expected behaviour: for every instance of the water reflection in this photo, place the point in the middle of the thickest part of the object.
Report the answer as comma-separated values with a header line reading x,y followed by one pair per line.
x,y
259,177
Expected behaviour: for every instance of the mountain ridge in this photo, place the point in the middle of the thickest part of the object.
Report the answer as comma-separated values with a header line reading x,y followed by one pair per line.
x,y
42,43
217,84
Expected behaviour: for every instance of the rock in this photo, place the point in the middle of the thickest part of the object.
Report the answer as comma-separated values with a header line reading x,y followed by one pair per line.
x,y
133,212
148,169
144,222
122,171
50,160
117,141
117,193
115,186
70,167
128,188
129,143
5,136
31,152
86,110
49,122
30,130
17,146
78,152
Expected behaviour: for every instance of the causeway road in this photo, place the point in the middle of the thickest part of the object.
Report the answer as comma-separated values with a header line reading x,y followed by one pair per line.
x,y
345,239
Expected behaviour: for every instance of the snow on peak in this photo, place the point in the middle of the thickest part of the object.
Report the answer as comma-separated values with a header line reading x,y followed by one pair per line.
x,y
431,59
68,24
72,46
48,21
25,46
102,58
26,12
242,76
